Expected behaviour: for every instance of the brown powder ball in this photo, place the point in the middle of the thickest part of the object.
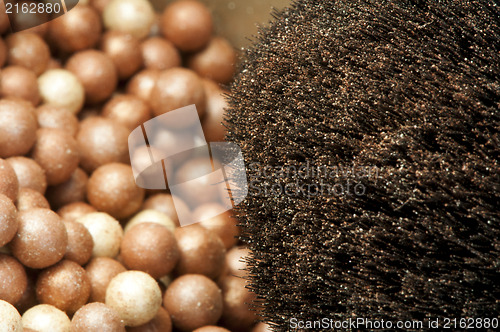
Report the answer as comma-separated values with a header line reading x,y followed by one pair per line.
x,y
135,296
193,301
211,328
3,52
4,19
97,73
28,50
96,317
106,182
80,243
13,279
46,318
176,88
100,271
56,152
41,239
262,327
224,224
17,127
73,211
188,24
102,141
151,248
159,53
31,199
19,82
76,30
201,251
64,285
128,110
212,123
130,16
70,191
160,323
236,314
11,319
8,219
60,87
164,203
142,83
192,173
29,173
216,61
125,52
9,185
235,261
51,116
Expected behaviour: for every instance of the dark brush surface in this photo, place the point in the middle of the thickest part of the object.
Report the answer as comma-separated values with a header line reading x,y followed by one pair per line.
x,y
409,87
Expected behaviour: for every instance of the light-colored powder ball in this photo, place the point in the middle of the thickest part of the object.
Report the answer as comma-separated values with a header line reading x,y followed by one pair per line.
x,y
46,318
153,216
132,16
60,87
106,233
135,296
10,319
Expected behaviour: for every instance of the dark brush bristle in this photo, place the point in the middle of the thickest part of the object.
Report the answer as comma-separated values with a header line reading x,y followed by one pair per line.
x,y
411,88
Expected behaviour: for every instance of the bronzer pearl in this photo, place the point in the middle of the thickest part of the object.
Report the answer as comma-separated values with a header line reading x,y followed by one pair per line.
x,y
29,173
13,279
28,199
73,211
106,182
9,185
106,233
201,251
224,224
97,72
188,24
160,323
193,301
96,317
70,191
41,239
159,53
151,248
61,87
142,83
102,141
235,261
46,318
131,16
51,116
76,30
135,296
57,153
3,52
176,88
64,285
17,127
237,299
80,243
100,271
216,61
212,123
19,82
28,50
8,219
164,203
11,319
125,52
128,110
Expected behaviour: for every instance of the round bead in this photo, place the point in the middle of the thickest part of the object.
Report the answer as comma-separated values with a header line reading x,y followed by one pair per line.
x,y
96,317
80,243
131,16
135,296
28,50
17,127
60,87
29,173
19,82
46,318
216,61
106,233
11,319
125,52
50,116
13,278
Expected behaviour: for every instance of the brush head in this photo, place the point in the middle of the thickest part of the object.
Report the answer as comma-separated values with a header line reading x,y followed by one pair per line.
x,y
406,90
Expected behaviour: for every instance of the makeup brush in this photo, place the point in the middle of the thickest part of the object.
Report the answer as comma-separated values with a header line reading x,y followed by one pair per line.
x,y
370,131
